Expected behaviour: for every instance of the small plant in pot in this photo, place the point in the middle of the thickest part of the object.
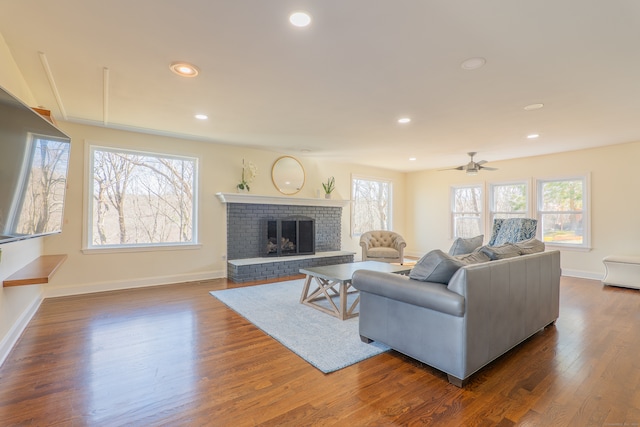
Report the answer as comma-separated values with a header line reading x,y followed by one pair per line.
x,y
329,186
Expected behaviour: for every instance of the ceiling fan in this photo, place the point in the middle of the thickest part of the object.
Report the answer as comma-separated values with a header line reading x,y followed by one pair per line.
x,y
472,168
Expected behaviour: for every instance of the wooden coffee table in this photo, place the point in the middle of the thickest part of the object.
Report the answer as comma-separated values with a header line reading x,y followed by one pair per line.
x,y
335,281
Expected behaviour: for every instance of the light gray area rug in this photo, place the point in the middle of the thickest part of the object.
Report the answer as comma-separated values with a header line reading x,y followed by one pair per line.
x,y
322,340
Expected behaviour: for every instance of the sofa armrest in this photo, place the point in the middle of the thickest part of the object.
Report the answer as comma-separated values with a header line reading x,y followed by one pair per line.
x,y
398,243
365,241
434,296
365,248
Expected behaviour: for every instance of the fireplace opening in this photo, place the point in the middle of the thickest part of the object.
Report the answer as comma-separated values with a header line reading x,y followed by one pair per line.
x,y
289,236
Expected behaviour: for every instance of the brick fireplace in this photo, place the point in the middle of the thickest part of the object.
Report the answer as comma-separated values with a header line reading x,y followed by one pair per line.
x,y
246,218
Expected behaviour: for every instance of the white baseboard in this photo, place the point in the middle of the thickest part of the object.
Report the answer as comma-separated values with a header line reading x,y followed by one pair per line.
x,y
414,254
17,328
117,285
582,274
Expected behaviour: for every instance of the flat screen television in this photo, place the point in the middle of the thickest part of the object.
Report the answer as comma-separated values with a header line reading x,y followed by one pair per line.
x,y
34,161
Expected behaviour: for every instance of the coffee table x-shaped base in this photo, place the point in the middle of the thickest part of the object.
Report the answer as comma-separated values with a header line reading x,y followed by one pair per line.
x,y
335,280
325,291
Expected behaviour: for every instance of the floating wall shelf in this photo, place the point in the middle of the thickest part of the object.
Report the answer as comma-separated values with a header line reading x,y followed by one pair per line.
x,y
37,272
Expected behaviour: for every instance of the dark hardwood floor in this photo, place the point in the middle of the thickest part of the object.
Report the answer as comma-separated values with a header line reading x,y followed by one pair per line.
x,y
174,355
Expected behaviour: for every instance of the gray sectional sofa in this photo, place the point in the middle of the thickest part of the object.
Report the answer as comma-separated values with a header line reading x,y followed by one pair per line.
x,y
483,311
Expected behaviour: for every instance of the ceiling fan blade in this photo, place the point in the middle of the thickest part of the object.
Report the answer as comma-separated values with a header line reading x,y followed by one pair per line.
x,y
471,167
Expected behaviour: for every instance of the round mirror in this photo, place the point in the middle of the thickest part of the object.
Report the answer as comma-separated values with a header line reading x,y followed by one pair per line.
x,y
288,175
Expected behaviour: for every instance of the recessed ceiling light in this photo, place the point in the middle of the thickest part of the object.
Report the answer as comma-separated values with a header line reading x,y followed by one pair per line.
x,y
184,69
201,116
532,107
533,136
300,19
473,63
412,159
404,120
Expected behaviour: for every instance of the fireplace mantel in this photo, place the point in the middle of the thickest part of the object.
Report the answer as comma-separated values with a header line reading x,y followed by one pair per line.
x,y
278,200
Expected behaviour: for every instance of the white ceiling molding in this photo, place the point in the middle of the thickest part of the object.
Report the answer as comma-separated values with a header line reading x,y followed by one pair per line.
x,y
105,96
52,84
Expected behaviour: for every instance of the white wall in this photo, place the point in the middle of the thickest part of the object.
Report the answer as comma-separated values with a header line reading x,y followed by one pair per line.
x,y
614,202
220,169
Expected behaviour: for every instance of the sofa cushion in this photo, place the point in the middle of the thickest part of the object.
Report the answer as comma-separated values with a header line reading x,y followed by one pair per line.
x,y
435,266
475,257
382,252
465,246
530,246
508,250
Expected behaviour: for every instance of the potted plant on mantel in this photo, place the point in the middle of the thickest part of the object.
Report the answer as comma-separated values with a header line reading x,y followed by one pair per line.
x,y
329,186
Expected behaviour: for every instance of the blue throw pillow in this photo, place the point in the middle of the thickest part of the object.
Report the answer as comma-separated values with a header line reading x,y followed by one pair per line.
x,y
435,266
516,229
513,230
497,224
463,246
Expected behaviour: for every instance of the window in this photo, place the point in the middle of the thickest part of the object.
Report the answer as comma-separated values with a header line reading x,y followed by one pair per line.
x,y
140,199
509,200
466,211
371,205
563,211
38,209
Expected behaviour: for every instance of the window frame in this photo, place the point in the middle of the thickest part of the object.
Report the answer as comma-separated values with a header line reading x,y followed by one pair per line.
x,y
87,244
491,208
387,181
585,212
453,212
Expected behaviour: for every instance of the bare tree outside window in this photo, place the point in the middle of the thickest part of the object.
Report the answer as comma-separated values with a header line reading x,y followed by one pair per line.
x,y
43,198
466,211
141,198
371,205
509,200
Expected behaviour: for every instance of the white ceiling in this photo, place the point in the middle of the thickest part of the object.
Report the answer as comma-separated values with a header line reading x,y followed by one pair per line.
x,y
336,88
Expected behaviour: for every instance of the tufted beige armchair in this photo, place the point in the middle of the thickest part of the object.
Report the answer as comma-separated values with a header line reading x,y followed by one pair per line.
x,y
382,245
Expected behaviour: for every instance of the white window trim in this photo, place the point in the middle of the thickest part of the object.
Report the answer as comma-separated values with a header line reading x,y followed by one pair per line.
x,y
586,211
353,200
87,205
452,212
